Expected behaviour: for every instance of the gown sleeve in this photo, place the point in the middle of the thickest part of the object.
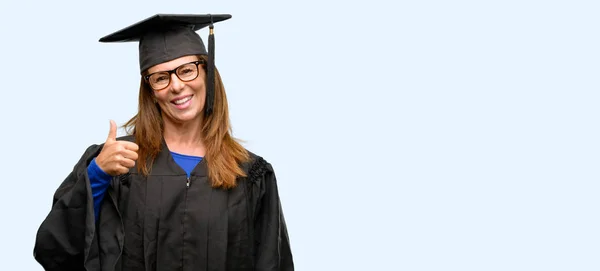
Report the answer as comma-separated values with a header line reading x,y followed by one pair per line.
x,y
99,182
273,250
64,240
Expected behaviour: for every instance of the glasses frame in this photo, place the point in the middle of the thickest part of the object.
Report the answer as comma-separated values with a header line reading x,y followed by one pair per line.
x,y
174,71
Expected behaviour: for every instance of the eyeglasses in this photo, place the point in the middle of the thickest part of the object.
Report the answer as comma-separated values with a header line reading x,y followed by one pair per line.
x,y
186,72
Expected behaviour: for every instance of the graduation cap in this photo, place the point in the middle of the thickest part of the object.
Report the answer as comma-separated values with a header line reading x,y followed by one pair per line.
x,y
164,37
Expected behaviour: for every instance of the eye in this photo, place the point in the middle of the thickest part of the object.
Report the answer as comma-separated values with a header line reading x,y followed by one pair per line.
x,y
160,78
186,70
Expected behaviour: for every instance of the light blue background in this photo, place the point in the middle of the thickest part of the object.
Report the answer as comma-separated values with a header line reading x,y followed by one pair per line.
x,y
406,135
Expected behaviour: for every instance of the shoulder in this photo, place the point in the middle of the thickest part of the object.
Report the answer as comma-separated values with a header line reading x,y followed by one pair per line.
x,y
257,167
90,152
260,177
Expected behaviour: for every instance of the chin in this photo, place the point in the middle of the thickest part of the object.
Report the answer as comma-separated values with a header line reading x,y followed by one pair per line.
x,y
183,118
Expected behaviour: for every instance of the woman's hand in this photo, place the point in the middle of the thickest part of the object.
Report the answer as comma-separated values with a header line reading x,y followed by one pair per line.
x,y
116,157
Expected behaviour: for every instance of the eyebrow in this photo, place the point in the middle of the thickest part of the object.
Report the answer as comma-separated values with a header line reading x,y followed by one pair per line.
x,y
187,62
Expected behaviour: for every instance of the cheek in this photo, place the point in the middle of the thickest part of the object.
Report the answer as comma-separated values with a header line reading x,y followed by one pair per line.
x,y
161,99
200,89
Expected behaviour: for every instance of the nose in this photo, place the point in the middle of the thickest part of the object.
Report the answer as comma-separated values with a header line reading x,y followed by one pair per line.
x,y
176,84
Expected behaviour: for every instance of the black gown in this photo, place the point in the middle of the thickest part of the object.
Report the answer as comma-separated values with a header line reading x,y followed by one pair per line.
x,y
166,222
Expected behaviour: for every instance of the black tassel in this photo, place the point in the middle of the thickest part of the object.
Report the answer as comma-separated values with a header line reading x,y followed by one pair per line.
x,y
210,73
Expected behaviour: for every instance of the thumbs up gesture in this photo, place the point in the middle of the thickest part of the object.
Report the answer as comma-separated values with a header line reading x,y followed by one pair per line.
x,y
116,157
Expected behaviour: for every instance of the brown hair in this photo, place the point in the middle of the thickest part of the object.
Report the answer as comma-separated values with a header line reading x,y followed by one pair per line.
x,y
223,153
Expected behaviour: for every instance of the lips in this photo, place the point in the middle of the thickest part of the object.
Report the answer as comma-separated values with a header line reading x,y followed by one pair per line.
x,y
181,100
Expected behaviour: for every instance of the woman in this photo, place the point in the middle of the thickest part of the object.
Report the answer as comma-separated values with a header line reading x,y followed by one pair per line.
x,y
178,193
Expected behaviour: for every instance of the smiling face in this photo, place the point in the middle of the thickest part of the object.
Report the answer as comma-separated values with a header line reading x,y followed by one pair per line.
x,y
180,102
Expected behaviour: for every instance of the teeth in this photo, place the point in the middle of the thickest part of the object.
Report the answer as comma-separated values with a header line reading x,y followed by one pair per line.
x,y
183,100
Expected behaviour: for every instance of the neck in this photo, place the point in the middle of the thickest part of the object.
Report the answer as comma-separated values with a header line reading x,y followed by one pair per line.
x,y
184,138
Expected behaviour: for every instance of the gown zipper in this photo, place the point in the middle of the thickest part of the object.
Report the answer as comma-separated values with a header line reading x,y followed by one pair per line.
x,y
187,186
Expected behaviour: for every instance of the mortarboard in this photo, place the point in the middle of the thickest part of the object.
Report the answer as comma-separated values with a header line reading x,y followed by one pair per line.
x,y
164,37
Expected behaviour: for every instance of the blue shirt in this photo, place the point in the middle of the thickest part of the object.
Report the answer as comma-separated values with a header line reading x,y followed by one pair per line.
x,y
187,162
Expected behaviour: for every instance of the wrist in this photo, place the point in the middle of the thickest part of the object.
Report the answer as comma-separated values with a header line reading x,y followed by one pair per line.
x,y
94,166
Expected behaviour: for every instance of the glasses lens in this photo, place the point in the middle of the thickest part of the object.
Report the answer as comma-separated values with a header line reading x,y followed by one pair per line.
x,y
159,80
187,72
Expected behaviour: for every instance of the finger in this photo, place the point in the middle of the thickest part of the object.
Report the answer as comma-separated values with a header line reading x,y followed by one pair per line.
x,y
128,163
130,154
124,161
112,133
130,146
121,170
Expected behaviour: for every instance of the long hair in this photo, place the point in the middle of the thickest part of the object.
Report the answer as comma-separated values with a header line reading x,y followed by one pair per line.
x,y
224,154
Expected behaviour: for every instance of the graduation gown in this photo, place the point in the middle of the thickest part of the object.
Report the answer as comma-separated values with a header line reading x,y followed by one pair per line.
x,y
166,221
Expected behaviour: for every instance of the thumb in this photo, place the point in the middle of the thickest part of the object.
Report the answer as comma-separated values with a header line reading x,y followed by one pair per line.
x,y
112,133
